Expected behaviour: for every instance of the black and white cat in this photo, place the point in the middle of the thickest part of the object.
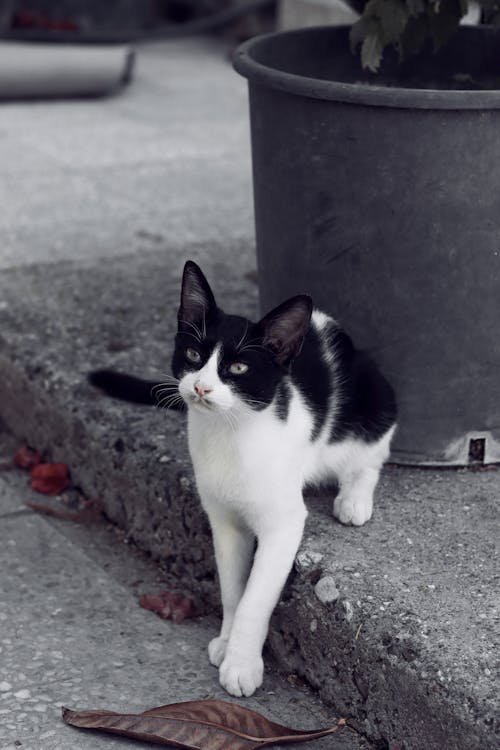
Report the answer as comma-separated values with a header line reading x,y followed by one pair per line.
x,y
272,406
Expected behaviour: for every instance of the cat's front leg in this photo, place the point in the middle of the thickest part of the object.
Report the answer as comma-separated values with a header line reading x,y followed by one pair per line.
x,y
241,672
233,546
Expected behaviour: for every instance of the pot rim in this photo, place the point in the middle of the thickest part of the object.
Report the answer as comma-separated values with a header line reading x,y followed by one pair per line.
x,y
246,65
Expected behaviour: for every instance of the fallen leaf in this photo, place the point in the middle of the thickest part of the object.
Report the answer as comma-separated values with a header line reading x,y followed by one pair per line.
x,y
169,606
152,602
184,610
50,479
27,458
90,514
207,724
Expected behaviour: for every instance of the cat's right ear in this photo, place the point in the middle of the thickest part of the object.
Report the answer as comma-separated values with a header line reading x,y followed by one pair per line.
x,y
197,299
283,329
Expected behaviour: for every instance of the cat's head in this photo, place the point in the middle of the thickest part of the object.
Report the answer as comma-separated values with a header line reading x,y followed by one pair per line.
x,y
225,362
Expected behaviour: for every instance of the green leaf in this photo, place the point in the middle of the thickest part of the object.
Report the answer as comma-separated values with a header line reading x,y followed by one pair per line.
x,y
406,24
371,51
393,15
360,30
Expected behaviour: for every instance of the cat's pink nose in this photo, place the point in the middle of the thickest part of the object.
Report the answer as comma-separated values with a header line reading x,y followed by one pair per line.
x,y
202,390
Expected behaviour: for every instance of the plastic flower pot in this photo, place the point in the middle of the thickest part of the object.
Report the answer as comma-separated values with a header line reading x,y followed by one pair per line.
x,y
380,196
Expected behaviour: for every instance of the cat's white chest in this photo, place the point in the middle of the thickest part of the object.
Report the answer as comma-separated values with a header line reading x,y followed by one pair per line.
x,y
216,457
247,468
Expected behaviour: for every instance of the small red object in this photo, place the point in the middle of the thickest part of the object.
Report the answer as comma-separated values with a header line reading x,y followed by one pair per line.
x,y
151,602
183,611
27,458
50,479
169,606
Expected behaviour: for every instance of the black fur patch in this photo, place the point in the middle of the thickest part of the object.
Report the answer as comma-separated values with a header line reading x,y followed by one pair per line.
x,y
311,374
367,404
282,401
124,387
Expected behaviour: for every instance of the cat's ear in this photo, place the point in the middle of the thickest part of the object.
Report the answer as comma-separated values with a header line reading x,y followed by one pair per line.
x,y
284,328
197,299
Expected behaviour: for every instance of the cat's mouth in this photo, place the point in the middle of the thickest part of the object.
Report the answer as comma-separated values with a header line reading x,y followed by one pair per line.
x,y
201,403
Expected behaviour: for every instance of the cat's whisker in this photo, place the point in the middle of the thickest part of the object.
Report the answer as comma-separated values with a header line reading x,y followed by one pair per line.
x,y
160,394
250,346
193,336
242,339
231,420
165,390
195,328
169,401
161,388
162,397
255,401
169,377
227,421
169,380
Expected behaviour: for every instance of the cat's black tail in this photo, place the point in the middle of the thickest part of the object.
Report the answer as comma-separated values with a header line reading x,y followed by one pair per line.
x,y
124,387
129,388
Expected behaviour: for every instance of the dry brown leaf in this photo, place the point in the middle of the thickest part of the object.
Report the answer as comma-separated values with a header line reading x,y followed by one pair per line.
x,y
91,513
207,724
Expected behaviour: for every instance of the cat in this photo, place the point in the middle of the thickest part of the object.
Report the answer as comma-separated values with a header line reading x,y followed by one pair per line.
x,y
272,406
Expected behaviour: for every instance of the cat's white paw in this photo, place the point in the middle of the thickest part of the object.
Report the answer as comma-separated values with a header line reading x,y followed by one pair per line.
x,y
217,650
353,510
241,675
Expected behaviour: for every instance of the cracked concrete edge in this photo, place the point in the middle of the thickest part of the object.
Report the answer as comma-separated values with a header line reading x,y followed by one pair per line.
x,y
384,695
156,507
316,640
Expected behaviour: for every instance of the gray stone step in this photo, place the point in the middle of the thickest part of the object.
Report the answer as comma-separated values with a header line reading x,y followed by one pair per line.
x,y
407,643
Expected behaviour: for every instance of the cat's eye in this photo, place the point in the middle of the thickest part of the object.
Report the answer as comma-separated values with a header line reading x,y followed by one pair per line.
x,y
238,368
192,355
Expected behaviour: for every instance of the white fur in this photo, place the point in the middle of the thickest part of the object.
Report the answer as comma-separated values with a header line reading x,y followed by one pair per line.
x,y
250,469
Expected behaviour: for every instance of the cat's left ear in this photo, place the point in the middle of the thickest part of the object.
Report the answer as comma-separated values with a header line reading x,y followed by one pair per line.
x,y
197,299
283,329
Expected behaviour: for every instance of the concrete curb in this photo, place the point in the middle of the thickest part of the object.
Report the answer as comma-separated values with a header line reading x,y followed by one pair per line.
x,y
69,593
388,647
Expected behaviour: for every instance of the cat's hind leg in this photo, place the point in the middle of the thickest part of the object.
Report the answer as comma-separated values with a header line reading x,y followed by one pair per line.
x,y
354,502
358,474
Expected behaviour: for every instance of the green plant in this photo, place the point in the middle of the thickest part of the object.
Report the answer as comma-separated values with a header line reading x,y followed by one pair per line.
x,y
408,24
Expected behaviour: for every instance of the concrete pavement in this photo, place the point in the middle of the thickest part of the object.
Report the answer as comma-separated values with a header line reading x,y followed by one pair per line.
x,y
167,158
72,634
102,203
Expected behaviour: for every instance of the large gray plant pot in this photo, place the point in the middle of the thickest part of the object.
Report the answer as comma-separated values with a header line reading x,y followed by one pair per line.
x,y
380,196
